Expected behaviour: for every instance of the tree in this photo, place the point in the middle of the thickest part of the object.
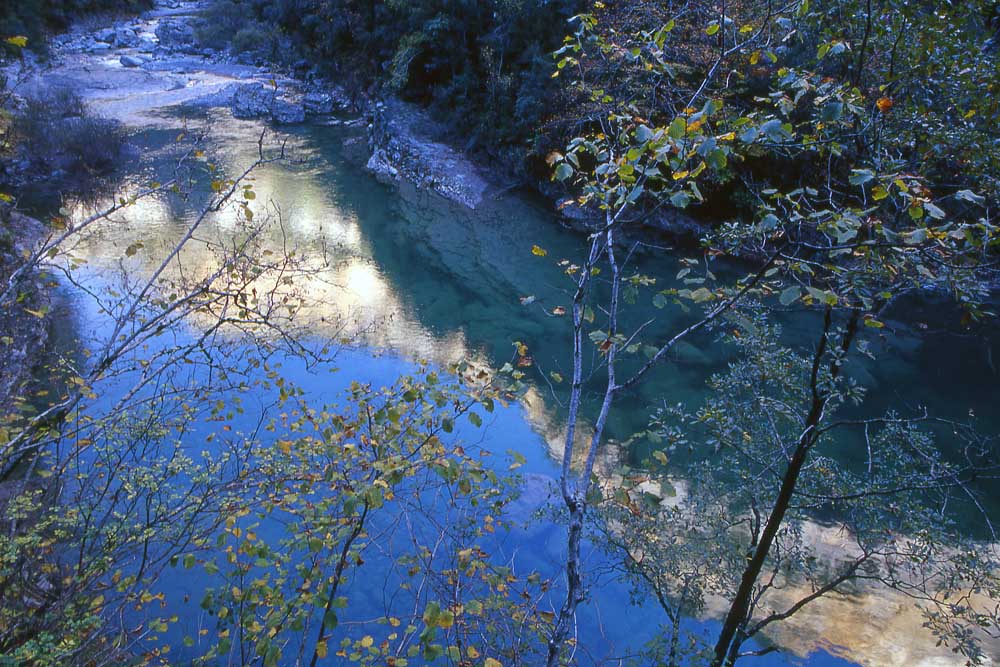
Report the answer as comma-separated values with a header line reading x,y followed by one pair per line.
x,y
891,525
840,223
131,467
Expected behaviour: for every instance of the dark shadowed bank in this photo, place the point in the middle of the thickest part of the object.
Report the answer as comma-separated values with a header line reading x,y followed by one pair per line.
x,y
36,18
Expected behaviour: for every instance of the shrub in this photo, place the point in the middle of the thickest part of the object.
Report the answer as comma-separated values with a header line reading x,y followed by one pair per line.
x,y
251,39
55,134
220,22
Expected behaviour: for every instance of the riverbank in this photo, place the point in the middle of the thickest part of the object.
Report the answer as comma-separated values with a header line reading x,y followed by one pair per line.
x,y
25,303
135,67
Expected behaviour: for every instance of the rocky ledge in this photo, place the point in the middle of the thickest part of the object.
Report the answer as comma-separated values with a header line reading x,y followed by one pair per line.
x,y
406,145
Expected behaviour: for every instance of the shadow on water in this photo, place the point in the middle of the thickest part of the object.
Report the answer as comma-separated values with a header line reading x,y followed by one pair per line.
x,y
418,277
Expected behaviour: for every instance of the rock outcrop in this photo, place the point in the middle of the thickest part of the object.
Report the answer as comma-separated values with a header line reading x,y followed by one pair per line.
x,y
403,146
253,100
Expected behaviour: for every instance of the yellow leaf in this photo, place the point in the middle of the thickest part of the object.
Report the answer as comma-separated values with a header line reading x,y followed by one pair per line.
x,y
540,252
367,641
490,662
19,41
473,653
321,649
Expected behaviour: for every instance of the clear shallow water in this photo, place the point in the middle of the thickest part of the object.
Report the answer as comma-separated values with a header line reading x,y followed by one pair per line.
x,y
406,275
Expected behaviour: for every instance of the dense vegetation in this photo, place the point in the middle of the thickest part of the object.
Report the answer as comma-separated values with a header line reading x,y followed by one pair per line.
x,y
487,68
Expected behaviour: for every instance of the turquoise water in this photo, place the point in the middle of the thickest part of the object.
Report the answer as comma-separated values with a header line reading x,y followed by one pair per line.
x,y
406,275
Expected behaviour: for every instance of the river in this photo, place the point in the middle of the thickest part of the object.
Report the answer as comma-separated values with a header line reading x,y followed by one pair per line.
x,y
402,274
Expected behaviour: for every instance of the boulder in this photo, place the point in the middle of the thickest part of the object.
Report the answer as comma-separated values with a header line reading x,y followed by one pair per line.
x,y
571,210
674,222
126,38
107,35
130,61
285,113
174,34
146,45
399,138
253,100
318,104
323,99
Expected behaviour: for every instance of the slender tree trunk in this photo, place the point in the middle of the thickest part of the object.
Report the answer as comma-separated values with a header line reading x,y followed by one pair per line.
x,y
575,493
335,584
732,634
574,582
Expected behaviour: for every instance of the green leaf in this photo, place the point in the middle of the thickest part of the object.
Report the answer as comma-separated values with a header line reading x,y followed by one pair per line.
x,y
861,176
915,237
933,210
832,111
749,135
677,128
702,294
563,171
970,196
790,295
